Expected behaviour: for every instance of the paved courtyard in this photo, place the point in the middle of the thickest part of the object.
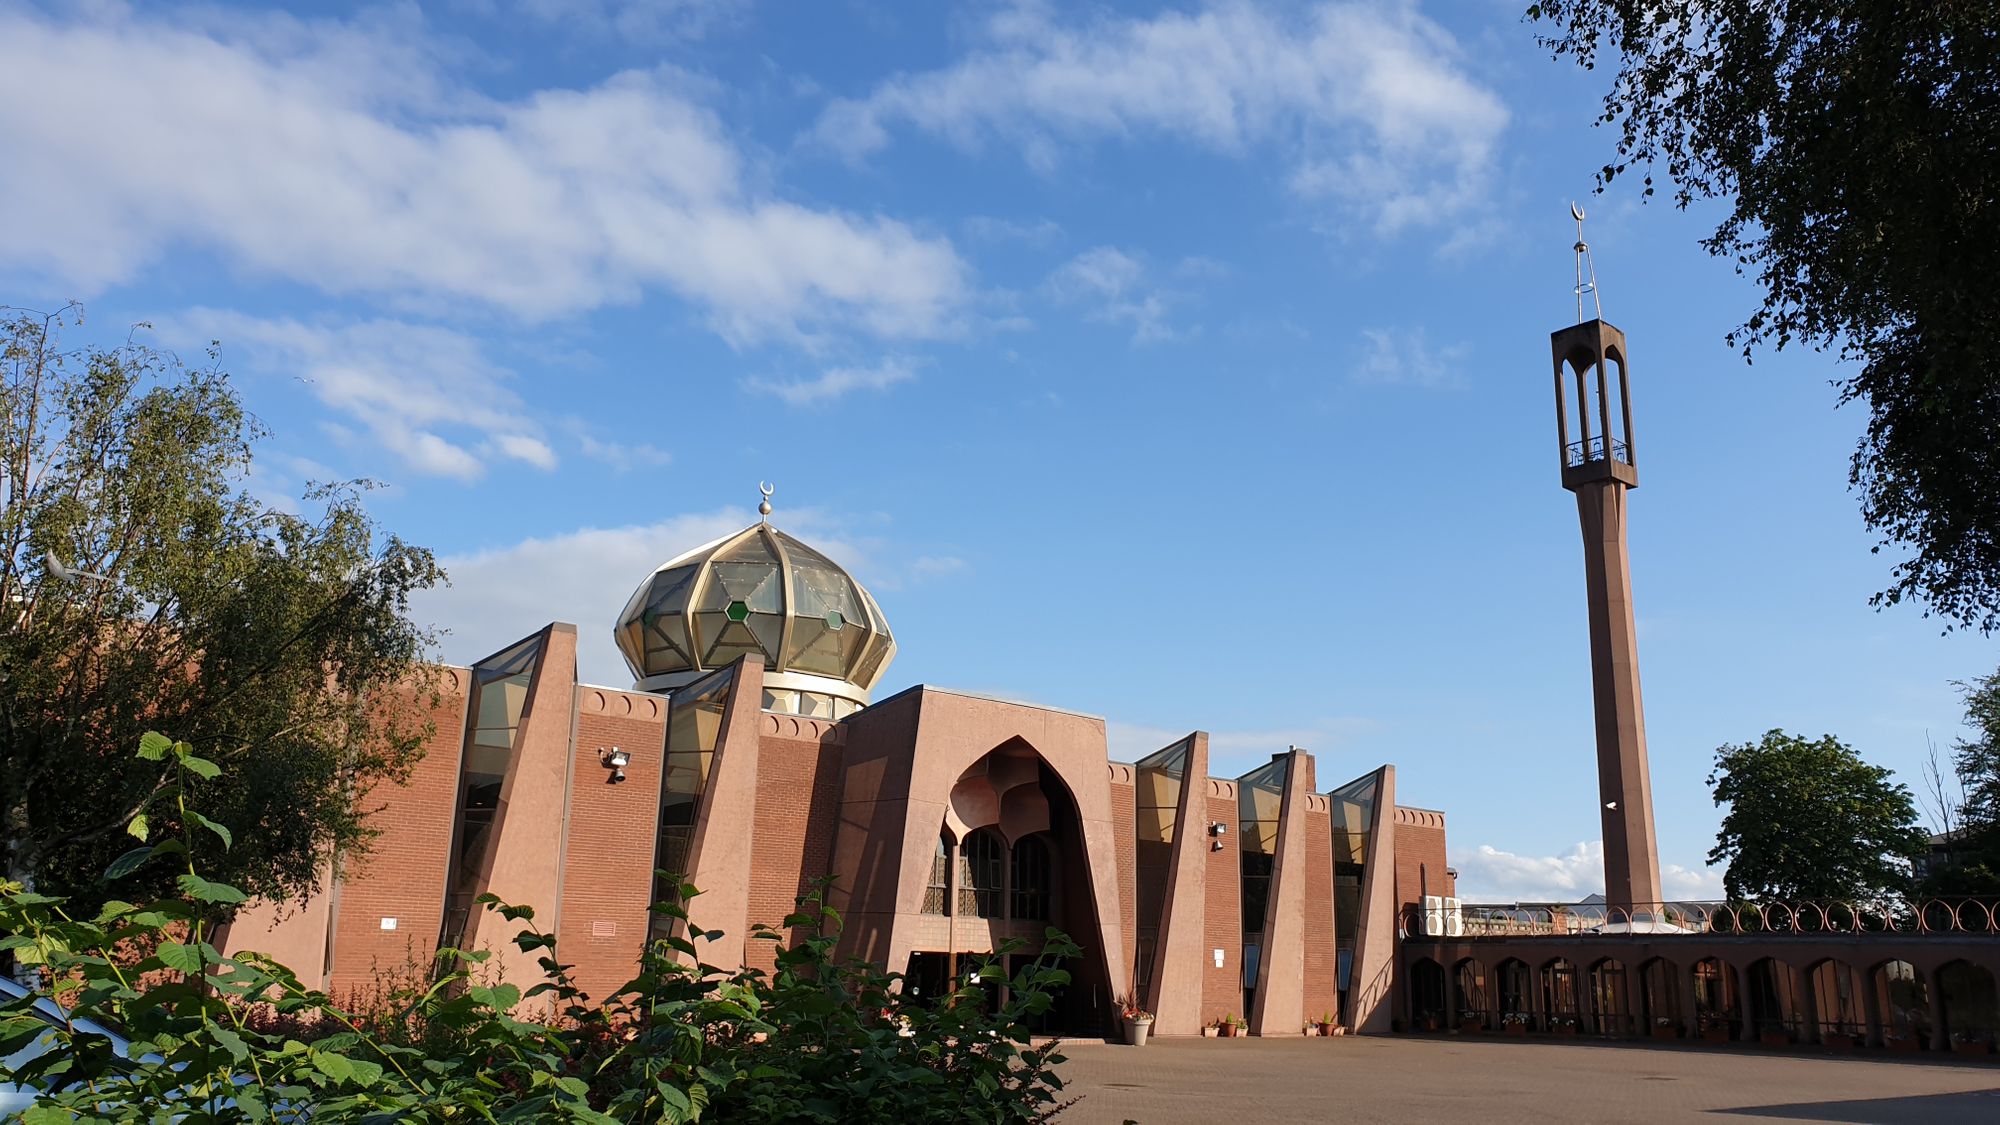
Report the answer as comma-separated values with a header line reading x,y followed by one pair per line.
x,y
1484,1080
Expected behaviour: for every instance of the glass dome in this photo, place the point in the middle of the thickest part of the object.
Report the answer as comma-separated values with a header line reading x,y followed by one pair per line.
x,y
823,639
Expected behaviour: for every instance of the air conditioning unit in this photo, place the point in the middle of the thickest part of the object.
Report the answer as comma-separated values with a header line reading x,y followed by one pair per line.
x,y
1454,918
1434,916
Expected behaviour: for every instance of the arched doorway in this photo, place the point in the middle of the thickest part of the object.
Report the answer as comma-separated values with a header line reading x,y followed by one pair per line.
x,y
997,883
1968,1005
1904,1004
1839,1019
1718,1016
1774,998
1660,999
1515,994
1427,998
1610,998
1560,1007
1472,1010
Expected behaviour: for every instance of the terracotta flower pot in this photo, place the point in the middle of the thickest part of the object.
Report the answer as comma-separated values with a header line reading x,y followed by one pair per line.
x,y
1837,1042
1471,1027
1973,1048
1516,1029
1715,1035
1563,1031
1774,1039
1907,1045
1667,1033
1327,1029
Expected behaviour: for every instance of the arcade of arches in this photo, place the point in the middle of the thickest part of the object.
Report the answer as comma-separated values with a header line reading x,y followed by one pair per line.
x,y
1835,994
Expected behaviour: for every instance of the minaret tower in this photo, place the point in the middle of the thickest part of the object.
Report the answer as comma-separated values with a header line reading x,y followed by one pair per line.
x,y
1597,465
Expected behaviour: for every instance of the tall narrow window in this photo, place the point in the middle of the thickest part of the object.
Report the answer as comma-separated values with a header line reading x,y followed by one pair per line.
x,y
982,865
1259,793
694,728
937,894
500,686
1031,880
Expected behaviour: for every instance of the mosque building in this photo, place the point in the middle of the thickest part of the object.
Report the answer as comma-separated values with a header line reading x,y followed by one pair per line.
x,y
753,755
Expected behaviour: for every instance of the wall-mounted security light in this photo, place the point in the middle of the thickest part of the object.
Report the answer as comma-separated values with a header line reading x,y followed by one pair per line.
x,y
1218,829
615,760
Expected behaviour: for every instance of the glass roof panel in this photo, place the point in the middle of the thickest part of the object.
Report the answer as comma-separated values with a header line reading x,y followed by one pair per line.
x,y
670,590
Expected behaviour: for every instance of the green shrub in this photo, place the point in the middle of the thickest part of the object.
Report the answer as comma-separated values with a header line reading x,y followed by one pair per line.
x,y
242,1039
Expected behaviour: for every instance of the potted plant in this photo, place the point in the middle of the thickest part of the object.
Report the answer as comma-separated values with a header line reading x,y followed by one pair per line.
x,y
1230,1027
1903,1041
1427,1020
1138,1021
1839,1039
1970,1043
1663,1028
1470,1022
1211,1030
1562,1027
1326,1024
1773,1034
1514,1023
1715,1030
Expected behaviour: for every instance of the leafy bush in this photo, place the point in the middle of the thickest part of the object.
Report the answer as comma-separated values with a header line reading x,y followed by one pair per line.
x,y
243,1039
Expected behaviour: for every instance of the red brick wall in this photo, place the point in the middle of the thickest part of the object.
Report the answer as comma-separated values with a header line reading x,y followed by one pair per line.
x,y
1124,829
1420,859
1322,985
1222,989
403,875
798,802
608,856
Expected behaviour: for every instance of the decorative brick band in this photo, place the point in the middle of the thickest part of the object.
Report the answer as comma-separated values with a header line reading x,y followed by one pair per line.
x,y
1421,818
620,704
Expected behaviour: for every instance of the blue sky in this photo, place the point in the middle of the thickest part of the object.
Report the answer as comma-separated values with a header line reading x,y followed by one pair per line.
x,y
1185,365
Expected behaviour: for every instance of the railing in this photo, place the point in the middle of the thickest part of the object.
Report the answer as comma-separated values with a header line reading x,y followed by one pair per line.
x,y
1592,449
1683,919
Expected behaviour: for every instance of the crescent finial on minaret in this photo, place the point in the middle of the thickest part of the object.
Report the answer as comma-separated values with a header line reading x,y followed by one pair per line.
x,y
1586,269
764,505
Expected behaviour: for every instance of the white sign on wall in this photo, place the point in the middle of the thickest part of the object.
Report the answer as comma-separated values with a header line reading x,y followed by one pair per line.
x,y
388,923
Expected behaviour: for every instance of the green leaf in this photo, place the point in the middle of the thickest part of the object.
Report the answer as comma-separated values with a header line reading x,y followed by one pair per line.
x,y
201,890
179,957
337,1067
128,863
228,841
137,829
202,766
154,746
575,1087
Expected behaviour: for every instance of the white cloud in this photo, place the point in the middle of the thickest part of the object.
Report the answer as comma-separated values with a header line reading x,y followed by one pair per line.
x,y
1405,357
338,156
582,577
837,381
1034,232
632,21
936,566
1487,874
1369,100
1112,283
427,394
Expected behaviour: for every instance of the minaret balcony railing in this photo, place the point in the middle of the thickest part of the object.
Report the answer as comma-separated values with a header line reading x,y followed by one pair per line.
x,y
1591,449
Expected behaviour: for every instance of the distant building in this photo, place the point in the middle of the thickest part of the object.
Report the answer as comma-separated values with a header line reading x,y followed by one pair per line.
x,y
749,755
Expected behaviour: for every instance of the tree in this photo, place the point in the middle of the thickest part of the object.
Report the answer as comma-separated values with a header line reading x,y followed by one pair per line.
x,y
1971,865
144,588
1859,142
1811,821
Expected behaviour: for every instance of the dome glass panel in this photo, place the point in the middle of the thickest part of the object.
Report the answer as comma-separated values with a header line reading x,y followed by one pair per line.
x,y
742,610
824,599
